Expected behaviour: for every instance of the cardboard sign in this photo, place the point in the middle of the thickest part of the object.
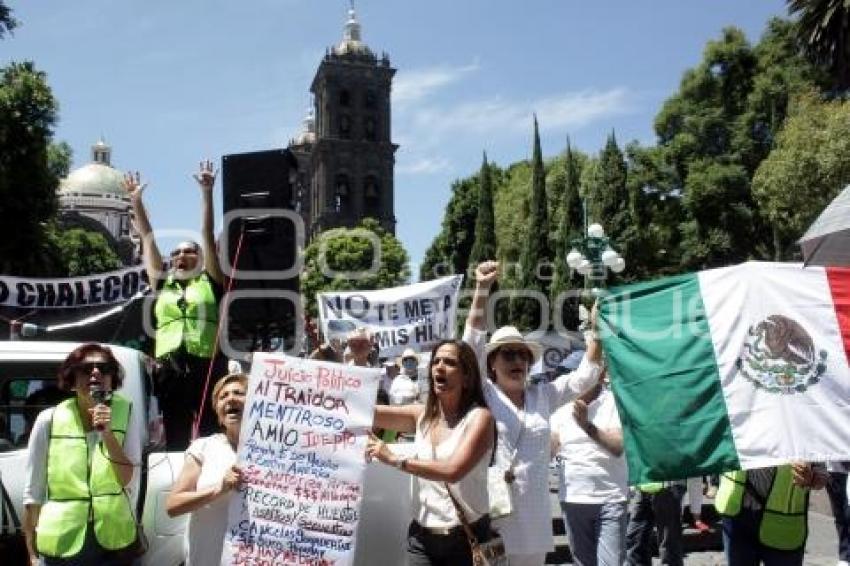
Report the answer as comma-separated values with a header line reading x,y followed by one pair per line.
x,y
301,450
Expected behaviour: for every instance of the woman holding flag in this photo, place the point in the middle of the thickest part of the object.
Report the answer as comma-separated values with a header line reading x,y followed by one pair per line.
x,y
522,413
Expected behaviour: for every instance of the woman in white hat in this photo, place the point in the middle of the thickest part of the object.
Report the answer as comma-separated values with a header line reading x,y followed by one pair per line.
x,y
522,413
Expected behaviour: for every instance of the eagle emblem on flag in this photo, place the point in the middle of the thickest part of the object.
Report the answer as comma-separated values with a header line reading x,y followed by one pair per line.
x,y
779,356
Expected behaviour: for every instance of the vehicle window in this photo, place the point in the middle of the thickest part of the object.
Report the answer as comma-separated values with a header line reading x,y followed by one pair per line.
x,y
26,389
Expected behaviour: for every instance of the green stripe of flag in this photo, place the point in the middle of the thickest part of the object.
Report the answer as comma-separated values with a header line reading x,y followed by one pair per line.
x,y
665,379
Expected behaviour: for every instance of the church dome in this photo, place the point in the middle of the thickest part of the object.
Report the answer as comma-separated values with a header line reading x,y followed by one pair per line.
x,y
351,43
94,179
98,178
308,130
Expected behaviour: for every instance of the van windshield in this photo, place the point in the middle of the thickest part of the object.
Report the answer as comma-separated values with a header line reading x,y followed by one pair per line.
x,y
26,389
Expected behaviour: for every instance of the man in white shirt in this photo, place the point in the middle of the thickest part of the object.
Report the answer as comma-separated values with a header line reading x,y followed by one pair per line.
x,y
592,478
405,389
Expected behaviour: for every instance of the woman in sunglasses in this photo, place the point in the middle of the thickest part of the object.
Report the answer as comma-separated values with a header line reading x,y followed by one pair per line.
x,y
79,464
522,413
185,313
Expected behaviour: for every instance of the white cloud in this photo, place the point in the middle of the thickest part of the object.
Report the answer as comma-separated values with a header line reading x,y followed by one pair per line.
x,y
570,110
424,166
415,85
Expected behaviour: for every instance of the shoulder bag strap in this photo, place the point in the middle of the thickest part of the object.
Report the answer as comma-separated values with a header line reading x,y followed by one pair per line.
x,y
473,540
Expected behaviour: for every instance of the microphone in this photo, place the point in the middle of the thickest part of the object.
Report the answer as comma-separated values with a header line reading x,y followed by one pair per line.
x,y
101,396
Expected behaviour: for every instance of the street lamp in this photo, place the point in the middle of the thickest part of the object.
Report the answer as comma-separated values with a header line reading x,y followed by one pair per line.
x,y
592,254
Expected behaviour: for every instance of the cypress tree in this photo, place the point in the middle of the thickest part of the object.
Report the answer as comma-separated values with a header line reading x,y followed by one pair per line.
x,y
484,247
537,252
569,227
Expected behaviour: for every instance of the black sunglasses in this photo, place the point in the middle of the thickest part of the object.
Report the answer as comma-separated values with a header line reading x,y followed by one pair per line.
x,y
511,354
106,368
186,251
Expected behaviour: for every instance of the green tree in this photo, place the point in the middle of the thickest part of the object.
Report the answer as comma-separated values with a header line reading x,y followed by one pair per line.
x,y
697,129
607,198
570,223
484,247
335,254
83,252
7,22
27,182
805,171
59,159
824,28
536,252
650,243
450,251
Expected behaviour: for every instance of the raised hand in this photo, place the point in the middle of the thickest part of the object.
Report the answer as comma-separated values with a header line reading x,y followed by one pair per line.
x,y
133,184
486,273
205,177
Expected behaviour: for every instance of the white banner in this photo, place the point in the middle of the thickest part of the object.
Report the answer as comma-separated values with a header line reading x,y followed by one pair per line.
x,y
111,288
414,316
301,450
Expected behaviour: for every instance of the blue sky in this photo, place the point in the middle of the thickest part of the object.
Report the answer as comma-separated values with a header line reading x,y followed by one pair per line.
x,y
170,82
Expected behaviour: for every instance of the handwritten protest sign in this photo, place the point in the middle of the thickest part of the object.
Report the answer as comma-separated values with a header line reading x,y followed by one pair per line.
x,y
416,316
301,449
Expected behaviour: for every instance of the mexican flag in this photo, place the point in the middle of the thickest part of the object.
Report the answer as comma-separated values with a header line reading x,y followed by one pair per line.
x,y
734,368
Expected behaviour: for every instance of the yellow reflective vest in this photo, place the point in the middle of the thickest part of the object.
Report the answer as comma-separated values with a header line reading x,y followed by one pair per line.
x,y
784,521
83,488
186,315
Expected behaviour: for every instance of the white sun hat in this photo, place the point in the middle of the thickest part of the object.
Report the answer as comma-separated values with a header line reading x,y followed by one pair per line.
x,y
509,335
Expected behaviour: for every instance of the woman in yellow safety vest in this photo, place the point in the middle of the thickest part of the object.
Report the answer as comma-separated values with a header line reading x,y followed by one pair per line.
x,y
185,313
764,512
80,461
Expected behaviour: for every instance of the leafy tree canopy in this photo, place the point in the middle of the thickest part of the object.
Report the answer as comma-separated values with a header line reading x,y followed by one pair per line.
x,y
83,252
332,258
806,170
7,22
27,181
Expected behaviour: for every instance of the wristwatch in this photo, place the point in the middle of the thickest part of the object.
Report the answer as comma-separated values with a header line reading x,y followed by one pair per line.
x,y
400,463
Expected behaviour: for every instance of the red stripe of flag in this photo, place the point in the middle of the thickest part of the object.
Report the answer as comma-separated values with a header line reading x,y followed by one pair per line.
x,y
839,286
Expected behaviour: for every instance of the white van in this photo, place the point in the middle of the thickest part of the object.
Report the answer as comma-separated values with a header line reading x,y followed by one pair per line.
x,y
28,385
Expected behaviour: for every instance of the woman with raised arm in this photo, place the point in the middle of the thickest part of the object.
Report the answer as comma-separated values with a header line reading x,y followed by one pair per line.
x,y
522,413
452,448
209,476
185,313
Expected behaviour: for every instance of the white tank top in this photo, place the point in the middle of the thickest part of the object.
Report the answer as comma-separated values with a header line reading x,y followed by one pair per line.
x,y
432,506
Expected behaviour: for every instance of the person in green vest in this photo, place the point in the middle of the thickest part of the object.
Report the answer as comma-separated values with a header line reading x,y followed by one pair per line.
x,y
765,513
80,473
185,314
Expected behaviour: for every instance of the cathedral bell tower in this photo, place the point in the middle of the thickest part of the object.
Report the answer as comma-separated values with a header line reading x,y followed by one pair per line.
x,y
353,159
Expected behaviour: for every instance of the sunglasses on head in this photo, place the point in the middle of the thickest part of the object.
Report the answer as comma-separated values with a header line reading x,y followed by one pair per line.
x,y
511,354
106,368
184,251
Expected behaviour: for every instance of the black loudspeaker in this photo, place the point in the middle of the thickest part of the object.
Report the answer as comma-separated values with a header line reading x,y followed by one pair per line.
x,y
259,187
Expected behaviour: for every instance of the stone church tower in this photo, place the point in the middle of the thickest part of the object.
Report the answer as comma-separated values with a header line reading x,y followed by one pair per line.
x,y
345,153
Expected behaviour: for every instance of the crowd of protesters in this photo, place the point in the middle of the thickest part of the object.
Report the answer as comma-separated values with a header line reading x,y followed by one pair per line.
x,y
471,410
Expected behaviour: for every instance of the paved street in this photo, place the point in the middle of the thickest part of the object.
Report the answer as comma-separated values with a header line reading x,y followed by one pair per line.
x,y
821,547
